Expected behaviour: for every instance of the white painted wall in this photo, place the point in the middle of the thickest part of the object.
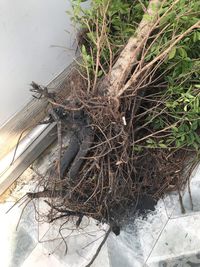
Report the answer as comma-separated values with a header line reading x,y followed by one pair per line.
x,y
36,39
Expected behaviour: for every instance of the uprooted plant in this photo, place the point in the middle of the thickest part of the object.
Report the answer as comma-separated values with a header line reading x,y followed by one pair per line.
x,y
135,113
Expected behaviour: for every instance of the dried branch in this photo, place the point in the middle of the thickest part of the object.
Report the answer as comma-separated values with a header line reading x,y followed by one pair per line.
x,y
99,248
113,83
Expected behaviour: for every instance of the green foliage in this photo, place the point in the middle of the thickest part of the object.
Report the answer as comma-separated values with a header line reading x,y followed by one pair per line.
x,y
117,20
180,107
110,24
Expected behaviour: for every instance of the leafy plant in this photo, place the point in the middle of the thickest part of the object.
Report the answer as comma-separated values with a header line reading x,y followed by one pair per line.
x,y
109,25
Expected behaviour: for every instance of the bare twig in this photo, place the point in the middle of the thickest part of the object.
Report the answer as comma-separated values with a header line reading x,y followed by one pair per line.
x,y
99,248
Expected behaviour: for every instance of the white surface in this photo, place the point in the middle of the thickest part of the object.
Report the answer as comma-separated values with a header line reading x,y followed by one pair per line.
x,y
40,258
30,31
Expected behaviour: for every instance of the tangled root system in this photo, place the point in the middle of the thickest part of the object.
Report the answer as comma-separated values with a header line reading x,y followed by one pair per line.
x,y
112,175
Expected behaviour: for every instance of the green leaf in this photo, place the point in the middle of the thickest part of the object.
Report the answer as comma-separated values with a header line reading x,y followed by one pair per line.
x,y
137,148
185,108
182,52
100,73
197,137
175,129
150,141
162,145
92,37
172,53
194,125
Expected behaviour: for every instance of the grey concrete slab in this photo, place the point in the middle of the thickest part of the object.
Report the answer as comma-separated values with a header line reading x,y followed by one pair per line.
x,y
16,244
179,238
